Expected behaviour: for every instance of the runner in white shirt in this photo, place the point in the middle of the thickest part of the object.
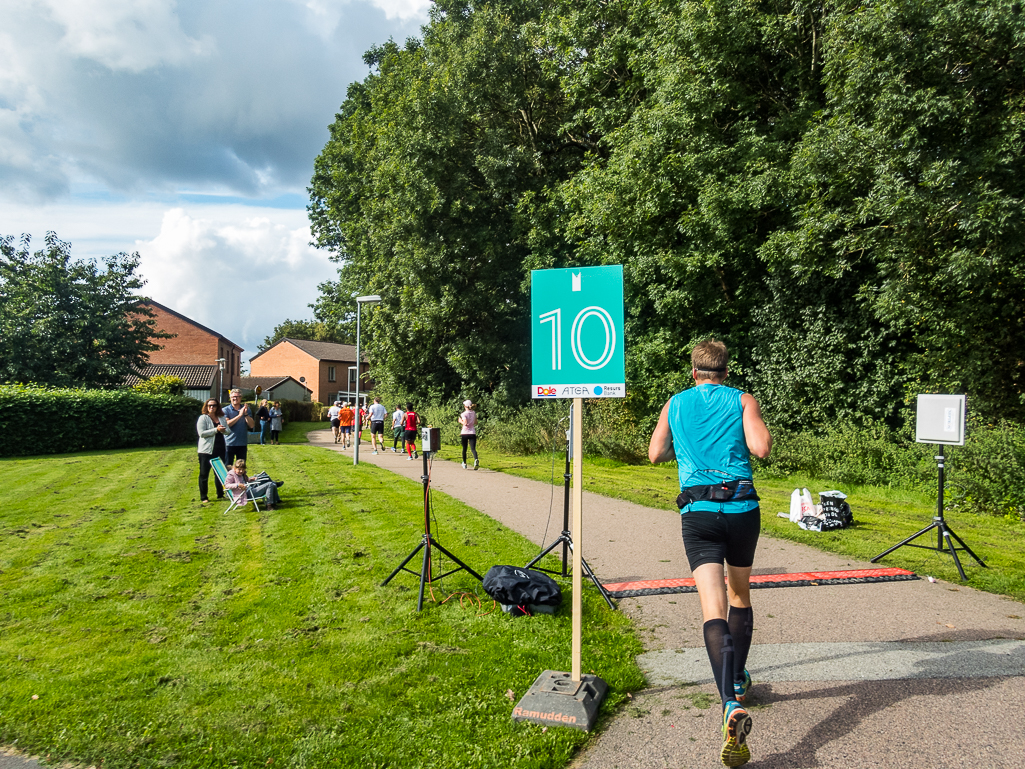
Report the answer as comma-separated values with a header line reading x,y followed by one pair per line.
x,y
398,428
377,415
332,414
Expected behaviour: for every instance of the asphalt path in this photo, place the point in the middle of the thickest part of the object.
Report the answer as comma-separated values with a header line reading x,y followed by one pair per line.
x,y
884,675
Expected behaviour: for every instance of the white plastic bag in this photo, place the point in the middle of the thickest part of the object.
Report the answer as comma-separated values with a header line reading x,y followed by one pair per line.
x,y
795,506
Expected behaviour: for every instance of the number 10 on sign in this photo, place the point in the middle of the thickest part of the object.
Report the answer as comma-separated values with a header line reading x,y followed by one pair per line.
x,y
589,300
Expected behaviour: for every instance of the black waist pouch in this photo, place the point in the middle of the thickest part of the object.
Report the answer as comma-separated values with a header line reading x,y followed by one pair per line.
x,y
741,489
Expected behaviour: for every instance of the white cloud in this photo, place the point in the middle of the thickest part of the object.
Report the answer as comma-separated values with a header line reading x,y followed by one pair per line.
x,y
154,95
240,275
328,13
131,35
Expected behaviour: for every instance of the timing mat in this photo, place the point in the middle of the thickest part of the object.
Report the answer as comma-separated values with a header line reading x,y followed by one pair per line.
x,y
796,579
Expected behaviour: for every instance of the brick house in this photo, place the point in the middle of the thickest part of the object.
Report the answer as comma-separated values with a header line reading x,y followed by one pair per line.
x,y
327,368
195,345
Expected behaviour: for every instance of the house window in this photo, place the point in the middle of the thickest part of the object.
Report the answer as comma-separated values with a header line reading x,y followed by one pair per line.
x,y
330,373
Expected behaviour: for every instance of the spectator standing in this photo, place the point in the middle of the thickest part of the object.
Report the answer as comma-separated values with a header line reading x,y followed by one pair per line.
x,y
277,422
345,419
377,417
211,428
711,431
398,427
334,414
468,433
240,422
412,422
263,415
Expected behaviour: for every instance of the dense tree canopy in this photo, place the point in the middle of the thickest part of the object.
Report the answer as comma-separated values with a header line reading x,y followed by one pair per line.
x,y
68,323
312,330
834,188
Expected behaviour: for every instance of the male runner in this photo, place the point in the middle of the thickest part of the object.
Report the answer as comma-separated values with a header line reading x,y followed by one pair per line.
x,y
398,427
332,414
345,417
377,414
711,430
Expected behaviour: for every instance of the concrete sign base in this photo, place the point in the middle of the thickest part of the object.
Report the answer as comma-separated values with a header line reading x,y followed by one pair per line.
x,y
555,699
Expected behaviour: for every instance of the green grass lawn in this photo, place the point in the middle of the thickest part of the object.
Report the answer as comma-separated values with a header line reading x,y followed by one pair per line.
x,y
883,517
295,432
141,629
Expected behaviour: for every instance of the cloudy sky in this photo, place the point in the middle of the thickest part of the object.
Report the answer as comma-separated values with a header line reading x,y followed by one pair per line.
x,y
185,130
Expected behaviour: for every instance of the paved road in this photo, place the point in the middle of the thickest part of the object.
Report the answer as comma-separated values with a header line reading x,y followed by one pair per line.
x,y
888,675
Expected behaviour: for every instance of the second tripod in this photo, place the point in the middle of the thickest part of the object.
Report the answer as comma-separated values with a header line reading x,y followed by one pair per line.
x,y
566,540
427,542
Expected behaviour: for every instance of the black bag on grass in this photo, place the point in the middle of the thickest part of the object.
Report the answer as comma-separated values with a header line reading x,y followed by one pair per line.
x,y
528,590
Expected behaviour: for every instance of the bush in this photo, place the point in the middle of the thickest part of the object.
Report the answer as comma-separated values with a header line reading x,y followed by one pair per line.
x,y
987,471
161,384
301,411
41,420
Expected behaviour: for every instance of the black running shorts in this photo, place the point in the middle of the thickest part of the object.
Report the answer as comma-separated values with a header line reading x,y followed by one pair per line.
x,y
334,422
716,537
377,428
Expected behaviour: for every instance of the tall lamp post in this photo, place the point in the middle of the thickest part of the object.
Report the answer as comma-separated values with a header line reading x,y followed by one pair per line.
x,y
360,301
220,382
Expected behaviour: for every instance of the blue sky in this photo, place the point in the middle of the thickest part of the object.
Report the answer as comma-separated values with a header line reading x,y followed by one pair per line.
x,y
184,130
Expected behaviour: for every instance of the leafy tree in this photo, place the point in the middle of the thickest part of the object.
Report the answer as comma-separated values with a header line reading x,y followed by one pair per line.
x,y
311,330
161,384
417,193
911,195
832,188
68,323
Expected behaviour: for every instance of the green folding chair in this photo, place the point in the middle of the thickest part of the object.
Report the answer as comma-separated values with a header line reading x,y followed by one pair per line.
x,y
238,498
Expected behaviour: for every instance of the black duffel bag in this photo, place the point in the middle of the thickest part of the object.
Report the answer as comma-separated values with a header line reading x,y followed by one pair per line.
x,y
528,590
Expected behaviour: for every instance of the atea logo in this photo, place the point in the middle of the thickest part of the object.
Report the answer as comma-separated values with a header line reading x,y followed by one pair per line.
x,y
546,392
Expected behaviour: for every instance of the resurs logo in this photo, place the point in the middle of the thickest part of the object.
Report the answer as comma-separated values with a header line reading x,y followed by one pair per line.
x,y
546,392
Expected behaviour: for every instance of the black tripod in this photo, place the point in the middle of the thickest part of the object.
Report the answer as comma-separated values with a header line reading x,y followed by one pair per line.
x,y
566,540
943,532
427,541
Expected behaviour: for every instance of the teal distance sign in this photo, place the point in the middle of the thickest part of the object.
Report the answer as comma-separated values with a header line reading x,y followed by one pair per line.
x,y
576,333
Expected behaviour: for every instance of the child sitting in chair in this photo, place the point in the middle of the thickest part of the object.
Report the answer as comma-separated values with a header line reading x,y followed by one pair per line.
x,y
257,488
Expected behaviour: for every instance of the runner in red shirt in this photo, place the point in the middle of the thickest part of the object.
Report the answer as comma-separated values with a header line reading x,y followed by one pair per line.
x,y
412,421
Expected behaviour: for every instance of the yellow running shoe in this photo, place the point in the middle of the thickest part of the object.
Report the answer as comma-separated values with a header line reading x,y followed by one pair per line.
x,y
736,725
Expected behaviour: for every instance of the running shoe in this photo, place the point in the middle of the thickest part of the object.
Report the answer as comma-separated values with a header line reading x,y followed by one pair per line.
x,y
476,464
375,452
740,689
464,465
736,725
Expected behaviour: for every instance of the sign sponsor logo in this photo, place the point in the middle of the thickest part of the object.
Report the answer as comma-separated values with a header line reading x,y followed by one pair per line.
x,y
575,391
546,392
551,716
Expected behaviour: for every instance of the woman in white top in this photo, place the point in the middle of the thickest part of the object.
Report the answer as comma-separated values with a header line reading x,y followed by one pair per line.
x,y
468,435
211,427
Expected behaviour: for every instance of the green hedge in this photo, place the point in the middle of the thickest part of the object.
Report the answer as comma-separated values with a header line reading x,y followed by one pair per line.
x,y
43,420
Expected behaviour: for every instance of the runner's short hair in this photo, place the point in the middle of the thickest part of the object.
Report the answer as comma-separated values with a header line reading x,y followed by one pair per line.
x,y
709,359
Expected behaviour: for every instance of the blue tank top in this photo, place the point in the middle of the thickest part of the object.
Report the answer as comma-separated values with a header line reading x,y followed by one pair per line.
x,y
707,423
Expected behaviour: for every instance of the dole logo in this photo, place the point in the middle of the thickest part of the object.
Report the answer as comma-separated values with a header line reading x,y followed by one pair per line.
x,y
546,391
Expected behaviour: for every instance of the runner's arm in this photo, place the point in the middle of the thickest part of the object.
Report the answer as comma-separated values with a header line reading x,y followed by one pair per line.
x,y
660,449
759,441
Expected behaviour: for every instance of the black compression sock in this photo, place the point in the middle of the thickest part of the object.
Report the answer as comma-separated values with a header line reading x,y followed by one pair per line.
x,y
741,623
719,645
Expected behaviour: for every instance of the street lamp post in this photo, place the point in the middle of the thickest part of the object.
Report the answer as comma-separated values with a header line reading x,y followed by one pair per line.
x,y
360,301
220,382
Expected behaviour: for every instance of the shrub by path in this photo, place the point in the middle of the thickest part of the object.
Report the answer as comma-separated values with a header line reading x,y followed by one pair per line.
x,y
914,675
